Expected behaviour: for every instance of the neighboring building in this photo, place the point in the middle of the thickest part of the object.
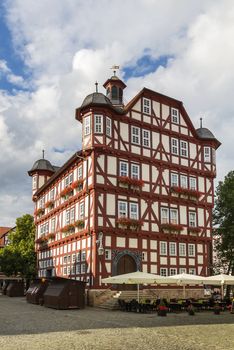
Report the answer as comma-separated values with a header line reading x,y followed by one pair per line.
x,y
4,232
138,196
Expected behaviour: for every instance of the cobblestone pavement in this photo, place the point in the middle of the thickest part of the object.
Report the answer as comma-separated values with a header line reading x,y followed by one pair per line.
x,y
28,327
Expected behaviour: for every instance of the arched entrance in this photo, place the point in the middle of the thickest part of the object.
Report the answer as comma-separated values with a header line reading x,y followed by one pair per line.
x,y
126,264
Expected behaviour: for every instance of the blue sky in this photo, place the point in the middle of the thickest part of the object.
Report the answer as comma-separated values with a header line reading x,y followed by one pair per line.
x,y
52,52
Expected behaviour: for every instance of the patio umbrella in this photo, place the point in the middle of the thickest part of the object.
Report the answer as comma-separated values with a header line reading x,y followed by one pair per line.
x,y
135,278
220,280
183,279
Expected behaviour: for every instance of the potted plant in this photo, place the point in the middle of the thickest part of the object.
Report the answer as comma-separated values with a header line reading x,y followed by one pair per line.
x,y
162,309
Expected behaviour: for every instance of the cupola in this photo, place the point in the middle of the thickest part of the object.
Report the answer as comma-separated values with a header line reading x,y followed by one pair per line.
x,y
114,90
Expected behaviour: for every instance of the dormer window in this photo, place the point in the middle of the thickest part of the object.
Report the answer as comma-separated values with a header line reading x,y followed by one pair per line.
x,y
175,116
98,124
146,106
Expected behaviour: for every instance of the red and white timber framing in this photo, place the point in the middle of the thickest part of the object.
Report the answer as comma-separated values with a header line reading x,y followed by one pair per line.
x,y
144,179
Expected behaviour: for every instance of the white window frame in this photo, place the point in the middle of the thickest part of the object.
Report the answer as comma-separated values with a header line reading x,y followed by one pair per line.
x,y
192,183
207,154
183,148
133,211
174,216
183,181
53,225
67,217
182,249
191,249
146,105
98,123
66,181
174,269
163,271
72,215
81,210
122,209
163,248
182,270
192,219
83,255
175,116
70,177
172,248
87,125
34,182
175,146
146,138
192,271
165,215
78,269
135,171
80,172
108,126
123,168
83,268
174,179
135,135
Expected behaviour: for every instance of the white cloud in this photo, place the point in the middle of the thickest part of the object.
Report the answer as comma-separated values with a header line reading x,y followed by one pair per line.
x,y
68,45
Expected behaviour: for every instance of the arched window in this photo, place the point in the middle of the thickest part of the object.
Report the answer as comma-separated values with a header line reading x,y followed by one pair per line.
x,y
114,92
120,94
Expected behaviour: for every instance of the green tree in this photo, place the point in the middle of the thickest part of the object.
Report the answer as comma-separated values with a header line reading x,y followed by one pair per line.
x,y
19,256
223,219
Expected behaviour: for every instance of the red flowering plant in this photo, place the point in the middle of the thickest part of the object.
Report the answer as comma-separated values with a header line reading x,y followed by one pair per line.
x,y
131,181
129,223
41,239
194,229
68,228
51,235
49,204
162,309
186,191
79,223
66,191
77,184
171,227
39,211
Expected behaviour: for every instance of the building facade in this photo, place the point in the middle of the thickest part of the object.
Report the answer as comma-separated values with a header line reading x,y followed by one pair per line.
x,y
137,196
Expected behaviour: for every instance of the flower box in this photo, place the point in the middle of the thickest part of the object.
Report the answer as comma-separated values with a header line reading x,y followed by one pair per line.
x,y
39,211
131,181
192,229
41,239
171,227
129,223
66,191
49,204
68,228
50,235
186,192
79,223
77,184
162,310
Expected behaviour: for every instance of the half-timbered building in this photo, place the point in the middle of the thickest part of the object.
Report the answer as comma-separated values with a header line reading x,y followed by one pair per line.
x,y
137,196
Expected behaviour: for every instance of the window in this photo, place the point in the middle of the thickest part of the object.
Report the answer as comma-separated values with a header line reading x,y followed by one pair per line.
x,y
207,154
72,215
78,256
192,219
191,250
182,270
73,258
135,171
34,182
182,249
146,138
192,271
123,169
68,259
83,255
87,125
108,254
66,181
174,146
173,271
65,270
183,181
78,269
68,270
52,225
108,127
81,210
135,135
192,183
67,217
172,248
174,179
70,178
174,216
134,211
65,259
83,268
52,194
164,215
80,172
184,148
98,125
122,209
163,271
175,115
73,270
146,106
163,248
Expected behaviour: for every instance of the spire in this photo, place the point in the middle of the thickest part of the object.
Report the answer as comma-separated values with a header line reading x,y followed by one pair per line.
x,y
200,122
43,154
96,86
